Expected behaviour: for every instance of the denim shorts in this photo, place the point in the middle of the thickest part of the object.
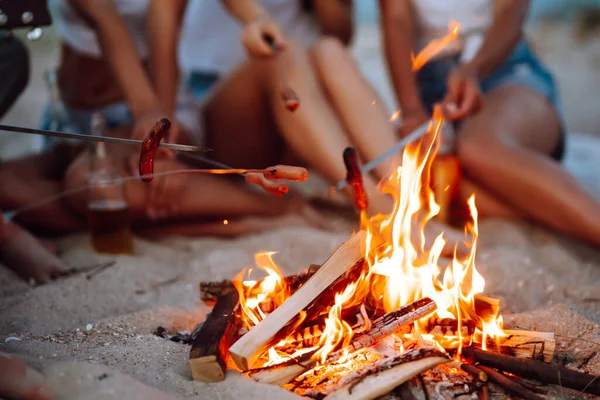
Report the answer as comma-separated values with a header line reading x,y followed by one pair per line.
x,y
522,67
193,91
73,120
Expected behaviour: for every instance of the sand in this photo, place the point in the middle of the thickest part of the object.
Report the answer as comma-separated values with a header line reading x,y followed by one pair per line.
x,y
92,338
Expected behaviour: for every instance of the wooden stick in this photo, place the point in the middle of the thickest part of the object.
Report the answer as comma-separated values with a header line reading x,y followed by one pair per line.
x,y
525,384
382,327
545,373
388,324
474,371
387,374
246,351
208,356
508,384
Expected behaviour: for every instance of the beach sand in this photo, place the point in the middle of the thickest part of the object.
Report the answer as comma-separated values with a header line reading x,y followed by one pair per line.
x,y
93,338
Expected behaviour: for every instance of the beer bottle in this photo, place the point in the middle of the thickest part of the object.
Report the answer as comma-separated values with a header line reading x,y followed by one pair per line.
x,y
108,211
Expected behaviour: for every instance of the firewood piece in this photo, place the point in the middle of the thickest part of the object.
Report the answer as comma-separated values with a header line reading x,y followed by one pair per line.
x,y
278,374
475,372
208,356
527,344
382,327
532,369
249,347
486,307
508,384
388,324
534,388
211,290
386,374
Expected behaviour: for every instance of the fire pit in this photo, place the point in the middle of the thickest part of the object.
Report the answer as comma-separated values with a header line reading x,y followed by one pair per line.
x,y
379,312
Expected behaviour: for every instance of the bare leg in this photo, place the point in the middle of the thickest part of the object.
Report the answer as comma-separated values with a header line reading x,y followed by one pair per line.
x,y
313,132
352,96
504,150
488,206
205,200
29,179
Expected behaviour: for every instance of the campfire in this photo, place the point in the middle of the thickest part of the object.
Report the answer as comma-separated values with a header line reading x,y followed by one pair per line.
x,y
383,309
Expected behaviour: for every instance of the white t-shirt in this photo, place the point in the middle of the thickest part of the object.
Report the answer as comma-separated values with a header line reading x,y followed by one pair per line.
x,y
211,37
434,17
77,34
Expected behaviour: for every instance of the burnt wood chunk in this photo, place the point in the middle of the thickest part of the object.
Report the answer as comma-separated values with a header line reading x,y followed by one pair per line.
x,y
210,346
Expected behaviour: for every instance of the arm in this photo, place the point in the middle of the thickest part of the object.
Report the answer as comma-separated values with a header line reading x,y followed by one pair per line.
x,y
245,11
336,18
397,19
120,52
464,96
501,38
163,28
257,24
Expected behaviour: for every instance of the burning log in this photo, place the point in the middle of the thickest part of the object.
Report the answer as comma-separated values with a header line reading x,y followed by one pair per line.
x,y
532,369
388,324
210,291
382,327
527,344
475,372
387,374
509,385
208,356
249,347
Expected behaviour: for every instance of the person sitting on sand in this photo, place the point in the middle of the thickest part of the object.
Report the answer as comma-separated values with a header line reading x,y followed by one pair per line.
x,y
510,130
134,42
243,118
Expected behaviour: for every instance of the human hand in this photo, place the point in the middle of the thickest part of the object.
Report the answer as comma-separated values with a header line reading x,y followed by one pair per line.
x,y
258,33
163,192
412,119
464,96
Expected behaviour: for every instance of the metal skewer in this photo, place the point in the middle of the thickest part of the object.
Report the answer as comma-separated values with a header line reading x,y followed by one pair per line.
x,y
107,139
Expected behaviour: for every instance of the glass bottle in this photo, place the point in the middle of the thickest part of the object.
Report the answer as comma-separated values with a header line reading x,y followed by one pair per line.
x,y
58,118
446,177
108,211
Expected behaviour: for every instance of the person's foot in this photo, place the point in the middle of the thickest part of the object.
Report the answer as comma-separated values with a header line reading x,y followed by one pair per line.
x,y
19,381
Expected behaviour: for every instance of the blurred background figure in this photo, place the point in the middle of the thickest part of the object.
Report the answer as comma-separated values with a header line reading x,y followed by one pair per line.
x,y
14,70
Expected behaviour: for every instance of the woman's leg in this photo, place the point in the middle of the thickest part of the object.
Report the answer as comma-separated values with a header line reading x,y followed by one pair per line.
x,y
246,112
202,206
367,124
30,179
505,148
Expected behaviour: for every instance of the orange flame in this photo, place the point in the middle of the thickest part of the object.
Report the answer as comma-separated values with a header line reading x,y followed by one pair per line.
x,y
435,47
402,270
258,298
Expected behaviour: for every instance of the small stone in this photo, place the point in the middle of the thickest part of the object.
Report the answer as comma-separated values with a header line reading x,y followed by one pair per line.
x,y
12,339
89,327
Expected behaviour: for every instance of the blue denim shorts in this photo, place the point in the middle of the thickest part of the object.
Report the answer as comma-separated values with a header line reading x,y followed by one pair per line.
x,y
521,68
75,120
